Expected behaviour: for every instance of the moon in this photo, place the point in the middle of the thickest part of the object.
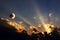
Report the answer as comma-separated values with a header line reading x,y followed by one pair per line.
x,y
12,15
50,14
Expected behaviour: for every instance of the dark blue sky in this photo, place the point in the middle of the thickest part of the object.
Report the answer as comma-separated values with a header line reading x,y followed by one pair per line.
x,y
26,9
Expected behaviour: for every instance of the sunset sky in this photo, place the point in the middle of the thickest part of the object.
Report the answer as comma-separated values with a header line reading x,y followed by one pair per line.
x,y
28,10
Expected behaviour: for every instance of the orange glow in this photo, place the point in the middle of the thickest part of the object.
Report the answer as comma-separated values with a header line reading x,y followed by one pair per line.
x,y
31,27
16,25
47,27
42,32
20,27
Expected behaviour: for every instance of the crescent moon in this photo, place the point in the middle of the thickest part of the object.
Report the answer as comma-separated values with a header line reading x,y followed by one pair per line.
x,y
12,16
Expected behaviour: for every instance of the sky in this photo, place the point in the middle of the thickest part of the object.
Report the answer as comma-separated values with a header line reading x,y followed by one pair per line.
x,y
26,10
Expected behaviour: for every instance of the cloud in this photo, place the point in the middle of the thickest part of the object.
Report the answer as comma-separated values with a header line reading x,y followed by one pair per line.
x,y
4,26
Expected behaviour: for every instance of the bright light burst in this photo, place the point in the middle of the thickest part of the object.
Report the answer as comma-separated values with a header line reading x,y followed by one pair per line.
x,y
42,20
47,28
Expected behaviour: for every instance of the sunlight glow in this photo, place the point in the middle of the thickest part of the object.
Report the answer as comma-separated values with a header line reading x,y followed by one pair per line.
x,y
43,21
